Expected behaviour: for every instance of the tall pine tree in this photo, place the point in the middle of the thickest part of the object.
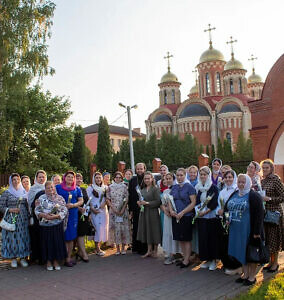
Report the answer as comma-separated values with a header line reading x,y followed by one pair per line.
x,y
104,148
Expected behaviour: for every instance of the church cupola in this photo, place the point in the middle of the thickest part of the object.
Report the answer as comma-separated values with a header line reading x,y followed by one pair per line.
x,y
169,86
210,69
194,93
234,74
255,83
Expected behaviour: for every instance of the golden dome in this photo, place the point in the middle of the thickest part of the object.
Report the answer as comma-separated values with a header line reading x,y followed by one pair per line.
x,y
233,64
211,55
194,90
169,77
254,78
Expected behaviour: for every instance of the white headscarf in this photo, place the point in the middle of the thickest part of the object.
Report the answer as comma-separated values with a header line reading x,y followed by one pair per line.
x,y
247,187
220,162
37,187
97,188
234,184
20,192
203,188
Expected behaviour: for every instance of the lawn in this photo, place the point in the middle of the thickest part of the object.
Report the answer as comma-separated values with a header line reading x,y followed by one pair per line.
x,y
272,290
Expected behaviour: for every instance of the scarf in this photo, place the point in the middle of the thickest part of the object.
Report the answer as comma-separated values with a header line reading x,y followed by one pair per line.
x,y
68,188
247,187
36,187
163,187
97,188
20,192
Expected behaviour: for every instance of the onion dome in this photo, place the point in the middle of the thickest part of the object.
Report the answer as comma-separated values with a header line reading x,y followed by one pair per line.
x,y
233,64
169,77
211,55
194,110
194,90
162,118
230,108
254,78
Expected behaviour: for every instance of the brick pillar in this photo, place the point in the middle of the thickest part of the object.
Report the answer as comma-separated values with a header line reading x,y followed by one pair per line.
x,y
156,163
279,170
203,160
93,169
121,166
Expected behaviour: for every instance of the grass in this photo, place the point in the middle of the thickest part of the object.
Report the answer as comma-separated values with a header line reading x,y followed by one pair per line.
x,y
270,290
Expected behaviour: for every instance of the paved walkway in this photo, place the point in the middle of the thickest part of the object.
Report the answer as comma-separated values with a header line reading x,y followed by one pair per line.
x,y
119,277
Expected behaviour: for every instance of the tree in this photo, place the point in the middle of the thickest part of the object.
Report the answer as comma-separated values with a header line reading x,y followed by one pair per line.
x,y
227,152
139,146
78,155
115,160
151,150
240,153
104,148
220,150
213,153
124,153
207,150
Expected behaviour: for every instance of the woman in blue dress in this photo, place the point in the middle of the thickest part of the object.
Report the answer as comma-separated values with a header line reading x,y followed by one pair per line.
x,y
73,198
246,225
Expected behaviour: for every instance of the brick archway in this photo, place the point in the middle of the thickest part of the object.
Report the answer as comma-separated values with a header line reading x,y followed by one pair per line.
x,y
275,140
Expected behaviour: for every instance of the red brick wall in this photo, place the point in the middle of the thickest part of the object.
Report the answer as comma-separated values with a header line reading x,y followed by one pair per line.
x,y
91,141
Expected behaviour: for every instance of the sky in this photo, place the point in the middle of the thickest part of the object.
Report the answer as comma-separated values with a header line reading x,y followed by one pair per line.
x,y
110,51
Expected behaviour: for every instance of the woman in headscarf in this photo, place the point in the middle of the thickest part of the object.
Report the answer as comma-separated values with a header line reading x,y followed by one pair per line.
x,y
83,221
246,213
231,265
274,197
136,182
26,183
15,244
182,212
34,193
192,175
117,199
73,198
207,223
99,213
253,170
216,171
51,211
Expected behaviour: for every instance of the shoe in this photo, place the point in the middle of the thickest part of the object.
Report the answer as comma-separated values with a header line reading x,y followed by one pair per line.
x,y
101,253
267,268
240,280
248,282
117,253
73,262
184,266
272,271
123,252
57,268
213,265
233,271
49,268
178,264
83,259
23,263
168,261
68,264
205,265
14,263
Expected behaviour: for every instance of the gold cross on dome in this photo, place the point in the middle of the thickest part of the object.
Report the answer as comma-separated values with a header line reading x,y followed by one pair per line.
x,y
231,42
209,31
168,58
195,74
252,59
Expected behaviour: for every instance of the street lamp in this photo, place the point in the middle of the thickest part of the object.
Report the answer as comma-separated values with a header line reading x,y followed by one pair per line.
x,y
128,108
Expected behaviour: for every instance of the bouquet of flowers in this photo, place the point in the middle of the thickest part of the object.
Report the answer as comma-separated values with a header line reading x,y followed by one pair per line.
x,y
198,210
14,219
87,209
141,198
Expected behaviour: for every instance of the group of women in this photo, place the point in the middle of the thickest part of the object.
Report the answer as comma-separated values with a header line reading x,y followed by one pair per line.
x,y
195,213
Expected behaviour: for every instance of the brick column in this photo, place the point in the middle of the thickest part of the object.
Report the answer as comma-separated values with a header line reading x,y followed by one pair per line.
x,y
156,164
203,160
121,166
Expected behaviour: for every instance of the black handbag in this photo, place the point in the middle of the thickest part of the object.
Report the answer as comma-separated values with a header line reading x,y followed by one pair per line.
x,y
272,217
257,253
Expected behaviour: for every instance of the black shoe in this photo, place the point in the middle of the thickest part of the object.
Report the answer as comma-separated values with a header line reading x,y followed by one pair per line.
x,y
84,260
240,280
179,263
267,268
272,271
248,282
184,266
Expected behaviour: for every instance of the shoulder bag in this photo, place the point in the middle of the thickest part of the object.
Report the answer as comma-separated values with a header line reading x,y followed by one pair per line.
x,y
5,225
272,217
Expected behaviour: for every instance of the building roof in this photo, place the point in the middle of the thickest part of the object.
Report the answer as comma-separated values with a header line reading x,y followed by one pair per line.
x,y
211,54
162,118
112,129
230,108
169,77
193,110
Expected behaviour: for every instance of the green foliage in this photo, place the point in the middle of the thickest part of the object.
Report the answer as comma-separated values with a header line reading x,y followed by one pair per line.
x,y
227,151
104,149
220,150
213,152
150,151
124,153
207,150
115,160
3,189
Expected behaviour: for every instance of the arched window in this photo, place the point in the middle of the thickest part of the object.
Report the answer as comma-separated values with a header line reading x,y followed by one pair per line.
x,y
229,137
252,93
240,86
218,82
173,96
207,81
165,97
231,86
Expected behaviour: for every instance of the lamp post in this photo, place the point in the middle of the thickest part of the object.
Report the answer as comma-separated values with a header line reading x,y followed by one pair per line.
x,y
128,108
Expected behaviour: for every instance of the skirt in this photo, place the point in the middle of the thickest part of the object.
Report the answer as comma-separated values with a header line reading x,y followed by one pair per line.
x,y
83,226
182,231
52,242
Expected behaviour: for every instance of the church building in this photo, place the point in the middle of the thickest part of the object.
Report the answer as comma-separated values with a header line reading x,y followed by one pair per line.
x,y
216,106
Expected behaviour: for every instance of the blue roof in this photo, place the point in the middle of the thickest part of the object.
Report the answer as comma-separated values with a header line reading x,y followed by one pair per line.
x,y
194,110
230,108
163,118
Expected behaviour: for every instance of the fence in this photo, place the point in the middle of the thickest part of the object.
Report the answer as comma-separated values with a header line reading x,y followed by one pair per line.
x,y
4,179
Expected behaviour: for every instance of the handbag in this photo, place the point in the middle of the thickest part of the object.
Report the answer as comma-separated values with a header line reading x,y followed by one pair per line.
x,y
272,217
5,225
258,253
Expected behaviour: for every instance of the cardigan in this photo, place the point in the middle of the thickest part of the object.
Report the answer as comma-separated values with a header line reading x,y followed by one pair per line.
x,y
213,203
